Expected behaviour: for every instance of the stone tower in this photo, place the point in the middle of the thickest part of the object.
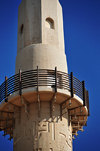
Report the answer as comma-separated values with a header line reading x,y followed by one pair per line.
x,y
40,36
43,106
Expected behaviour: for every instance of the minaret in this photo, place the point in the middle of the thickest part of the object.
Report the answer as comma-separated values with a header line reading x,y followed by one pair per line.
x,y
43,107
40,36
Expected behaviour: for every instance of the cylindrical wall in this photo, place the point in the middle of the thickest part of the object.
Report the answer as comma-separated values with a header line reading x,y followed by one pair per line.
x,y
42,133
40,36
41,55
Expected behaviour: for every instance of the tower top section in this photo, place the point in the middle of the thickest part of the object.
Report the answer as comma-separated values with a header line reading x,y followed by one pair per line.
x,y
40,21
40,36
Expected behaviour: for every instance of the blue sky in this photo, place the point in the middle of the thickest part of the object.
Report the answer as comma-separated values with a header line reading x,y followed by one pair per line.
x,y
82,41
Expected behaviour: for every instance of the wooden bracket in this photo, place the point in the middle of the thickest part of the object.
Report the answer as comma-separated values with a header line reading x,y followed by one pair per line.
x,y
39,105
20,83
61,112
15,106
7,112
26,103
52,101
66,100
62,108
75,108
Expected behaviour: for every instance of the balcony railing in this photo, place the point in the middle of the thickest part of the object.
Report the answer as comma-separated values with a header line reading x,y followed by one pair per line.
x,y
44,77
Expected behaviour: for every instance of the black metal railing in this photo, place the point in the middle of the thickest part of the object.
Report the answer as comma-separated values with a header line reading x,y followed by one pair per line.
x,y
44,77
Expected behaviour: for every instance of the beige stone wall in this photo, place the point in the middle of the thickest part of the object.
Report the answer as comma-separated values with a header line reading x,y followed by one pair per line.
x,y
38,44
42,55
30,17
52,9
41,43
42,133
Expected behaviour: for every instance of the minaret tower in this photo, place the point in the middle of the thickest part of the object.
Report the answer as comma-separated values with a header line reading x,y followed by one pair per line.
x,y
43,106
40,36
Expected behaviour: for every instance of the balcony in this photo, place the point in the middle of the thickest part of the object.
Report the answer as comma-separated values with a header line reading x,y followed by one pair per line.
x,y
70,93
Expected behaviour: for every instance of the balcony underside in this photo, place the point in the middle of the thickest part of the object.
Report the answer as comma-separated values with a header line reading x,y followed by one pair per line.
x,y
77,112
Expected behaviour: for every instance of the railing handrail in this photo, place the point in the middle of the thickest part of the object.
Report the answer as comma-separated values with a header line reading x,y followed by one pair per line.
x,y
46,77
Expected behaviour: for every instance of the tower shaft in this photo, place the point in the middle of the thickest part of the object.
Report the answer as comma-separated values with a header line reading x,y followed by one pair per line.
x,y
44,133
40,36
41,43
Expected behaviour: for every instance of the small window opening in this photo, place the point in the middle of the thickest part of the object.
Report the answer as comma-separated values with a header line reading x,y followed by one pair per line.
x,y
39,149
21,29
50,23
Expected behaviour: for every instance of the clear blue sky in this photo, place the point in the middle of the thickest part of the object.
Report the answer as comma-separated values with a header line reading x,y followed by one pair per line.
x,y
82,40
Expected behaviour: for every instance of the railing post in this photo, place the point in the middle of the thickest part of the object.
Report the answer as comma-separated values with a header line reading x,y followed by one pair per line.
x,y
55,79
37,78
88,103
38,97
83,88
72,88
6,99
20,83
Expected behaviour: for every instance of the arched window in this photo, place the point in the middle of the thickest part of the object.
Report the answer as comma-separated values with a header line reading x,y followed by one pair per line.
x,y
21,29
49,23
